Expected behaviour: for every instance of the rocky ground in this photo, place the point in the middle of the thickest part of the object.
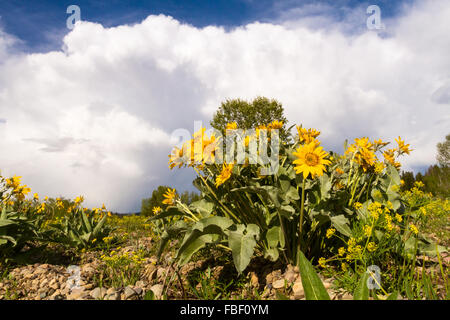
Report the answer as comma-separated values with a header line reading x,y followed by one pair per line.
x,y
44,281
53,282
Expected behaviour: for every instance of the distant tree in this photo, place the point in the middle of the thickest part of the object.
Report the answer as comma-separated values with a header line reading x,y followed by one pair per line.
x,y
408,179
437,180
419,177
189,197
249,115
154,201
443,156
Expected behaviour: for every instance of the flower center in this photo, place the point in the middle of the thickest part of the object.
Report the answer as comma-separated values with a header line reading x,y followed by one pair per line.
x,y
311,159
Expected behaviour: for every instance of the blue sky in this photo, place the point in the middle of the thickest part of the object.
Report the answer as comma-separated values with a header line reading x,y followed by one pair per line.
x,y
42,24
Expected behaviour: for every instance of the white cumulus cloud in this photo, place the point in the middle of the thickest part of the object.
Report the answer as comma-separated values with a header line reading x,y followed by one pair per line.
x,y
96,117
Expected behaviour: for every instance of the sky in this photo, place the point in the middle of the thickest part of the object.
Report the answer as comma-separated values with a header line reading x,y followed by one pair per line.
x,y
91,110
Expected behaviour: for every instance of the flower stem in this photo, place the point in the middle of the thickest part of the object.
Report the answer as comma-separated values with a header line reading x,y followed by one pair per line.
x,y
302,209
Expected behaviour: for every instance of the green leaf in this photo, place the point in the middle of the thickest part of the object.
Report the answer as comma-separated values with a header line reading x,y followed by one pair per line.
x,y
393,296
408,291
87,223
169,233
214,224
313,286
281,296
99,225
204,207
8,238
195,241
272,254
273,236
341,223
242,245
292,194
362,290
325,186
287,211
6,222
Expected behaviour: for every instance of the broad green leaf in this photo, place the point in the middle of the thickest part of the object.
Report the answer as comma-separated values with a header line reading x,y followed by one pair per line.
x,y
272,254
287,211
86,221
292,194
99,225
393,296
169,233
429,249
242,245
341,224
281,296
204,207
313,286
8,238
362,290
215,224
197,242
6,222
325,186
273,236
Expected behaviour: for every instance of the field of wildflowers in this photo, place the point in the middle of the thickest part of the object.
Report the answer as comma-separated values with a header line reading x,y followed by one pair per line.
x,y
322,214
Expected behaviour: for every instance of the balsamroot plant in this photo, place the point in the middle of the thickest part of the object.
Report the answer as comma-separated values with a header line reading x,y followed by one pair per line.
x,y
331,207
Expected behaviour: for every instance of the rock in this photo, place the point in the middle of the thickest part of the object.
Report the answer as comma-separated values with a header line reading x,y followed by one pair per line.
x,y
54,286
254,280
87,270
112,294
98,293
140,284
278,284
160,273
39,271
269,278
111,291
138,290
150,272
297,290
77,294
157,290
290,276
88,286
346,296
43,283
327,284
128,293
42,295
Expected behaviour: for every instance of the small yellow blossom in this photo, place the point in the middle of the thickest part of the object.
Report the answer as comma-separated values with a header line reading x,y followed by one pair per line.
x,y
357,205
330,232
371,246
413,228
322,262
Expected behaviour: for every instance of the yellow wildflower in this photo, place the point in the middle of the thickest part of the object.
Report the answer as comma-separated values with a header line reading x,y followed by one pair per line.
x,y
310,160
322,262
225,174
413,228
330,232
371,246
169,196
